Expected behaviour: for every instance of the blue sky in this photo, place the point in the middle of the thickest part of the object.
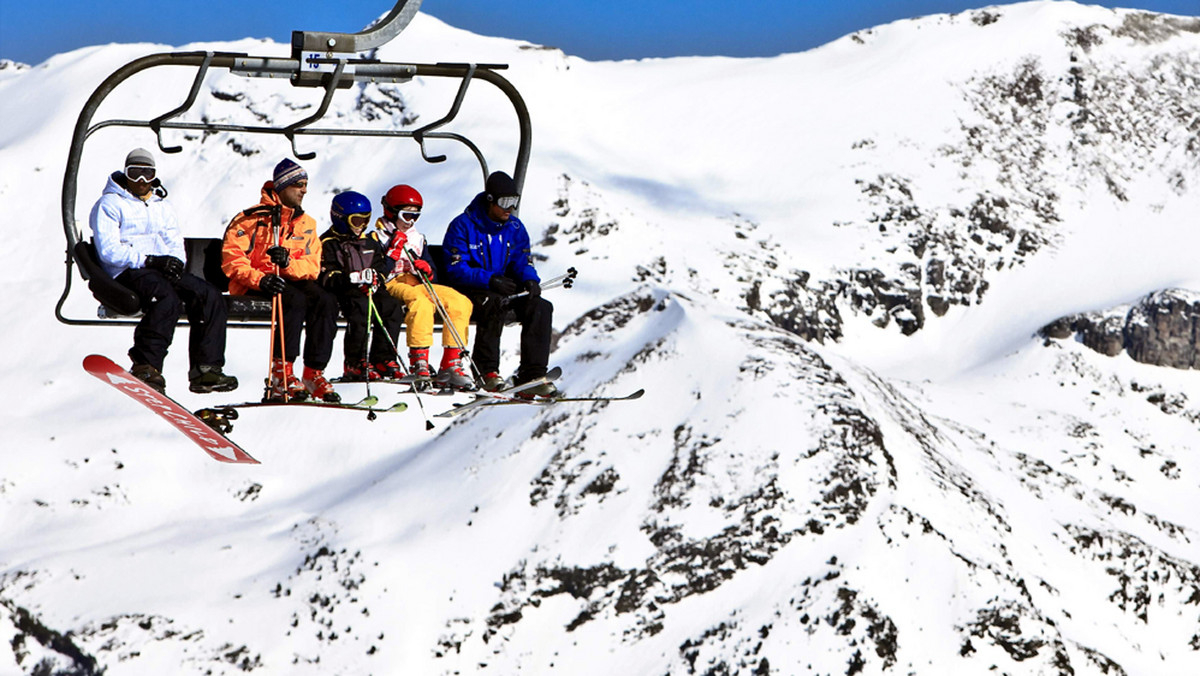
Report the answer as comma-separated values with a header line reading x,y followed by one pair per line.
x,y
33,30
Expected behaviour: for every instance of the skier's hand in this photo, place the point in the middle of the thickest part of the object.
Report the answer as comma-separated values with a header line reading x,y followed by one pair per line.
x,y
170,266
365,278
397,251
534,288
502,285
272,284
279,256
423,267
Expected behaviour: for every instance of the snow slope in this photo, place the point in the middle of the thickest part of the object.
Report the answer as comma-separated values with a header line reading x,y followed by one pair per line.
x,y
826,269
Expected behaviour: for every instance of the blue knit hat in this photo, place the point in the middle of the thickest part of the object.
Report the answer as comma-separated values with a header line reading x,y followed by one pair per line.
x,y
288,172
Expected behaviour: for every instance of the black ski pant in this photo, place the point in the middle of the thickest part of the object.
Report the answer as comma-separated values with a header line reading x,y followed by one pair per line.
x,y
356,310
163,301
309,307
535,315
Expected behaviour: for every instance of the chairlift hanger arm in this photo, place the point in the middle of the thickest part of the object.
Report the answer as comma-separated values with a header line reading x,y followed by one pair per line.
x,y
156,123
331,86
374,36
419,134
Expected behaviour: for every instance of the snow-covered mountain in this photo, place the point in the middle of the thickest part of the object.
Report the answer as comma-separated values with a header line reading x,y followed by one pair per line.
x,y
848,280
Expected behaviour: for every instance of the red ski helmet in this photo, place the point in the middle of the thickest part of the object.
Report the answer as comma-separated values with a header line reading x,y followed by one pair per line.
x,y
400,196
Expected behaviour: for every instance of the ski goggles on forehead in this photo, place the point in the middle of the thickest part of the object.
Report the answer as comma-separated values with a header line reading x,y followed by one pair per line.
x,y
508,202
410,216
140,173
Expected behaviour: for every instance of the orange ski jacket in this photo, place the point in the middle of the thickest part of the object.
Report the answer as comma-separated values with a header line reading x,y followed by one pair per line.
x,y
244,257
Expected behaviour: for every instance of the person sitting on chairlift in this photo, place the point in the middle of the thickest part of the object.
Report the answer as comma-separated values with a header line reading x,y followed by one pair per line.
x,y
138,241
412,268
272,249
488,260
352,267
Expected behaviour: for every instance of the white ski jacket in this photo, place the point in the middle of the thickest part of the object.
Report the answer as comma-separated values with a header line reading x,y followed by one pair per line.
x,y
125,229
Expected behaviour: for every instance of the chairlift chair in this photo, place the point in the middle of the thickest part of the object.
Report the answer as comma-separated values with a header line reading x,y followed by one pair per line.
x,y
328,61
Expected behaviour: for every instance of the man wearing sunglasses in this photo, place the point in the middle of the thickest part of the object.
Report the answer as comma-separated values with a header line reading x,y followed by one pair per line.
x,y
139,243
272,249
487,259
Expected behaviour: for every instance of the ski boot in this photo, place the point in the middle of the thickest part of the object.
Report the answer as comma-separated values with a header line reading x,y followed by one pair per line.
x,y
356,372
203,379
319,387
451,375
491,382
283,384
151,376
543,391
419,373
386,370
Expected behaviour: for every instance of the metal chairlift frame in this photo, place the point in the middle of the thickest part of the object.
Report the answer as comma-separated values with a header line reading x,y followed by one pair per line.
x,y
319,59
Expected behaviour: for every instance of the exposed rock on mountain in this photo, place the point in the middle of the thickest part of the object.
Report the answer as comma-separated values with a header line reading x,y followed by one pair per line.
x,y
1161,329
1034,135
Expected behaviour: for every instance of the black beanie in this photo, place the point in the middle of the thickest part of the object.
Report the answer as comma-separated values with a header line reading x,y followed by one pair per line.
x,y
500,184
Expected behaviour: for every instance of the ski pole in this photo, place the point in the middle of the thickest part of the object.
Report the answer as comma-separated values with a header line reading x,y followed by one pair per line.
x,y
437,303
271,347
374,316
565,281
367,348
277,308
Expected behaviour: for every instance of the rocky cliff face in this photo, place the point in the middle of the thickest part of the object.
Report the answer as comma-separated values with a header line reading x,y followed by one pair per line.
x,y
1035,134
1161,329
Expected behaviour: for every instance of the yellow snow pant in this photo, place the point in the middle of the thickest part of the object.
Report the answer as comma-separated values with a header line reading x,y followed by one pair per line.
x,y
419,320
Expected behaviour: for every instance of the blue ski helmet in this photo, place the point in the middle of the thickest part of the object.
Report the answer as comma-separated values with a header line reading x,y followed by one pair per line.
x,y
345,205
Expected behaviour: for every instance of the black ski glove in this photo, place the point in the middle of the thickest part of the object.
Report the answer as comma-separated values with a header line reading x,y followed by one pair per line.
x,y
272,284
170,266
534,288
279,256
502,285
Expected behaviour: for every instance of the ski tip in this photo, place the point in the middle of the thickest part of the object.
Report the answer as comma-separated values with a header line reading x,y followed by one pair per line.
x,y
636,395
98,362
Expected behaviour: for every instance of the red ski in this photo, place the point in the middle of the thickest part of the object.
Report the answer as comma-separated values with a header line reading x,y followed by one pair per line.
x,y
213,442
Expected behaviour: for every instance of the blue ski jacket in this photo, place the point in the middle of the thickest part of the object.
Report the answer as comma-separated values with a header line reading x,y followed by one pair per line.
x,y
476,248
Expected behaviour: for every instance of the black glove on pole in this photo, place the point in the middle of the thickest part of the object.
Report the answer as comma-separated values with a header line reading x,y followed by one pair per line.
x,y
279,256
272,284
533,288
